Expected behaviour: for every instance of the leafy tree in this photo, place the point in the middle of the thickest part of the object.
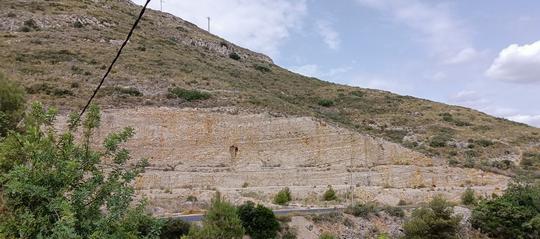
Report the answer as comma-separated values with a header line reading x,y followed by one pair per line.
x,y
174,229
12,100
434,221
283,197
330,194
54,187
468,197
220,222
259,222
515,214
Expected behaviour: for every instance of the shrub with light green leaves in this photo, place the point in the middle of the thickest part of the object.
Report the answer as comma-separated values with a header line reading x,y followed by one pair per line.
x,y
515,214
54,186
434,221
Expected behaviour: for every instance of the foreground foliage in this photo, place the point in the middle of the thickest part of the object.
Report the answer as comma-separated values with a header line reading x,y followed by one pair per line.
x,y
259,221
515,214
434,221
54,187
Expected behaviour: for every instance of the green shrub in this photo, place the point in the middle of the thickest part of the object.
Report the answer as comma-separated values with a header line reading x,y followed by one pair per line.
x,y
53,187
325,102
288,232
330,194
12,101
259,222
484,142
221,221
394,211
515,214
29,25
362,210
357,93
262,68
283,197
234,56
174,229
188,95
439,141
78,24
132,91
434,221
468,197
326,235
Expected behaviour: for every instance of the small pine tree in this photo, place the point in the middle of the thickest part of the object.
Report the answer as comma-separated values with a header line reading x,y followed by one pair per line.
x,y
468,197
283,197
330,194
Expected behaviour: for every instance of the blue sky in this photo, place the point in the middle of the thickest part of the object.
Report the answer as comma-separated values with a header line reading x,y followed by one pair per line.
x,y
483,54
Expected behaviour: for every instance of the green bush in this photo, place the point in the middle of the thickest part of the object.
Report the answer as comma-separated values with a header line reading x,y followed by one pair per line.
x,y
262,68
221,221
132,91
394,211
325,102
330,194
439,141
283,197
54,187
434,221
288,232
326,235
174,229
259,222
234,56
468,197
188,95
12,101
361,209
515,214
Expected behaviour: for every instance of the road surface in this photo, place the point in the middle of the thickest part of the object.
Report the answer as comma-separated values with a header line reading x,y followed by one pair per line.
x,y
199,217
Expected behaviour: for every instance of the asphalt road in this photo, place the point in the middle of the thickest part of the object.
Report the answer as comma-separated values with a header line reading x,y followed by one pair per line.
x,y
199,217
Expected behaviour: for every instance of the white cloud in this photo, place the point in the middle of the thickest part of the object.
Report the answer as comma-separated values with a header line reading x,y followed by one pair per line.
x,y
258,25
469,98
517,64
444,34
313,70
329,35
533,120
380,83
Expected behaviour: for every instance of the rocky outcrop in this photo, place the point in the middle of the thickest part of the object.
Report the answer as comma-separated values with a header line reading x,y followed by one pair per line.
x,y
252,156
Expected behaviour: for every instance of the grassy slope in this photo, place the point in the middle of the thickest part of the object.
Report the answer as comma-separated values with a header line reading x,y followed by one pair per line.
x,y
60,63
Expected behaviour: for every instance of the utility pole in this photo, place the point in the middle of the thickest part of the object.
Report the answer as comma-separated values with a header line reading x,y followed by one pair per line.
x,y
161,5
208,23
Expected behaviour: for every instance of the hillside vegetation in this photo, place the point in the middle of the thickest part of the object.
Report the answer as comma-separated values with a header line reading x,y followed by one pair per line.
x,y
59,49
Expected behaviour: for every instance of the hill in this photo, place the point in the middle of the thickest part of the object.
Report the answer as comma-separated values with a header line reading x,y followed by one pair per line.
x,y
58,50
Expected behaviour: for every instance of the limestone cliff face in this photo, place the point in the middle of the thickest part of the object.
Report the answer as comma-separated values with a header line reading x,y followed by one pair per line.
x,y
193,151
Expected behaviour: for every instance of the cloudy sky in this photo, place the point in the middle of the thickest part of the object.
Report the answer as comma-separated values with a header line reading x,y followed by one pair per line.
x,y
483,54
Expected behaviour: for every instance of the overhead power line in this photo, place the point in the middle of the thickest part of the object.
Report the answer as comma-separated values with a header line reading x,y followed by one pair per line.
x,y
115,59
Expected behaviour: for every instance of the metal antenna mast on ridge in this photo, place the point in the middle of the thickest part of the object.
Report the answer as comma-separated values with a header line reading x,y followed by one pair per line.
x,y
208,23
